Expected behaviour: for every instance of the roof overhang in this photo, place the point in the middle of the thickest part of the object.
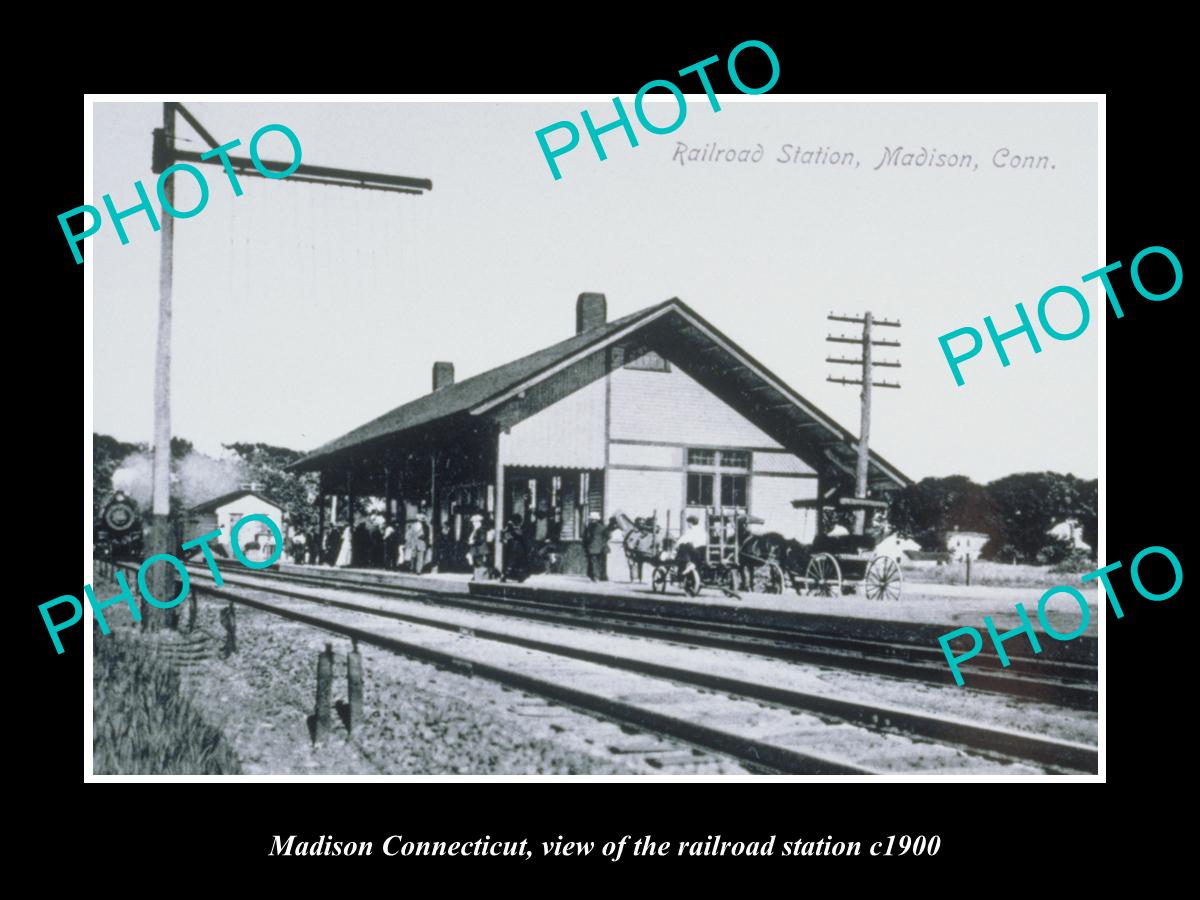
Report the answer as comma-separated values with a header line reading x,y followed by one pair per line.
x,y
698,348
721,366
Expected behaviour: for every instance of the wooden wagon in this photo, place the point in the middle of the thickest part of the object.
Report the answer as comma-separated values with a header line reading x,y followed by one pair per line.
x,y
724,561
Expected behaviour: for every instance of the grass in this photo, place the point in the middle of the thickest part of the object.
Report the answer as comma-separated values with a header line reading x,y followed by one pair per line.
x,y
992,573
141,722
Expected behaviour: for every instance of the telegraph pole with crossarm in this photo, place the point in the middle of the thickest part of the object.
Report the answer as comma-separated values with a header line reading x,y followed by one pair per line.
x,y
166,155
867,381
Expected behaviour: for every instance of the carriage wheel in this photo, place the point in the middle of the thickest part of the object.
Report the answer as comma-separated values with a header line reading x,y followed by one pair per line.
x,y
691,582
883,579
824,576
658,580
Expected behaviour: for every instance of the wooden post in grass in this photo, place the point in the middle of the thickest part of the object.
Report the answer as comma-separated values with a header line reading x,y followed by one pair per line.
x,y
354,687
229,621
968,569
193,612
322,715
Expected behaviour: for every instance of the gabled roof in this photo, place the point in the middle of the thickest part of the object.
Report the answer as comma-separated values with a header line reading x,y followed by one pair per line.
x,y
464,395
211,505
672,321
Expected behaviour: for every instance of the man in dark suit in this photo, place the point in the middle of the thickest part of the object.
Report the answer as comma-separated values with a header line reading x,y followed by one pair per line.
x,y
595,545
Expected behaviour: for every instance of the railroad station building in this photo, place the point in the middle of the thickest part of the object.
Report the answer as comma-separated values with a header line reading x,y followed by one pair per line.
x,y
654,413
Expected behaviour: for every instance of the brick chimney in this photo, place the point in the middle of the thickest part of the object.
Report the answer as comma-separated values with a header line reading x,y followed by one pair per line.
x,y
591,311
443,375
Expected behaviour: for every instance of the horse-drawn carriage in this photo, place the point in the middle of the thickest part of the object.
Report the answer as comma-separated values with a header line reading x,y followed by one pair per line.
x,y
735,559
837,561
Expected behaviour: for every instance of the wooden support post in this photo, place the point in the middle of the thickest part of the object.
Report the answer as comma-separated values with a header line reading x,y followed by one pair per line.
x,y
322,716
354,687
193,611
229,621
387,493
499,518
159,580
968,568
173,614
320,548
435,521
389,519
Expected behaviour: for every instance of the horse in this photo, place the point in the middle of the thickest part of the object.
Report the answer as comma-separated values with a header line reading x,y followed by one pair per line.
x,y
641,542
758,550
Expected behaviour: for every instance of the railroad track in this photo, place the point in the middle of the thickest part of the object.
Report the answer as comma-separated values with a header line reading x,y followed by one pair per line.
x,y
767,726
1056,682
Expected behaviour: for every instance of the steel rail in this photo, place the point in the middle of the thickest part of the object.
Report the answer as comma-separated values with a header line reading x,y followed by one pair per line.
x,y
1024,678
1068,755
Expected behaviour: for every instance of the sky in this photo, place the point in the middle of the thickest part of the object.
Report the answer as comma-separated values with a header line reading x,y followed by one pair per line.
x,y
302,311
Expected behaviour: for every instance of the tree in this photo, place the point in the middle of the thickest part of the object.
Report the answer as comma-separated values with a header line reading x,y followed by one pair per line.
x,y
1033,502
1087,512
925,511
296,494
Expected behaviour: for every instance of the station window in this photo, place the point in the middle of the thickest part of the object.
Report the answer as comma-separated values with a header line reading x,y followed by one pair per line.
x,y
733,490
722,474
735,459
699,489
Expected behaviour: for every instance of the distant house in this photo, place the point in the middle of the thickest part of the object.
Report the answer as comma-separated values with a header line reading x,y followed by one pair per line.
x,y
925,559
1072,532
894,546
964,545
255,539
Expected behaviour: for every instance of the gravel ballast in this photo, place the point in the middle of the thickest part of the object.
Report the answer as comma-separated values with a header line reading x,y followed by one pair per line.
x,y
418,720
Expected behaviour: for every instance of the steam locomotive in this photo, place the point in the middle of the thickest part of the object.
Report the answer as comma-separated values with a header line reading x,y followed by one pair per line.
x,y
117,529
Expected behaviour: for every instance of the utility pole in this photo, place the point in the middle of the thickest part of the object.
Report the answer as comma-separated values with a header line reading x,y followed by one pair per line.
x,y
165,154
867,381
160,576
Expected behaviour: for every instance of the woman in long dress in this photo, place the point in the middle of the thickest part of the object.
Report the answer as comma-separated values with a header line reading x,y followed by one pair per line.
x,y
343,557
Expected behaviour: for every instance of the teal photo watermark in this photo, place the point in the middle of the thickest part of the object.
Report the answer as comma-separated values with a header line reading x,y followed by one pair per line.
x,y
126,595
955,660
965,352
168,208
622,119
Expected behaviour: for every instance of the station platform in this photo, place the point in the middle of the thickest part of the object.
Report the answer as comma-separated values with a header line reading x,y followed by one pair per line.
x,y
922,614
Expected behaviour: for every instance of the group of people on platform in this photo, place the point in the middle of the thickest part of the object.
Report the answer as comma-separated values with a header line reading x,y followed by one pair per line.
x,y
374,542
530,546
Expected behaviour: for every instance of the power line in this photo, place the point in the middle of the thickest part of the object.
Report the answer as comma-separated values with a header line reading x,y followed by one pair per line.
x,y
866,342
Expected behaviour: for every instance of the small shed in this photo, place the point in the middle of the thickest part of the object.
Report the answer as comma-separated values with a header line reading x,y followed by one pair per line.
x,y
893,546
1071,532
964,545
256,540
